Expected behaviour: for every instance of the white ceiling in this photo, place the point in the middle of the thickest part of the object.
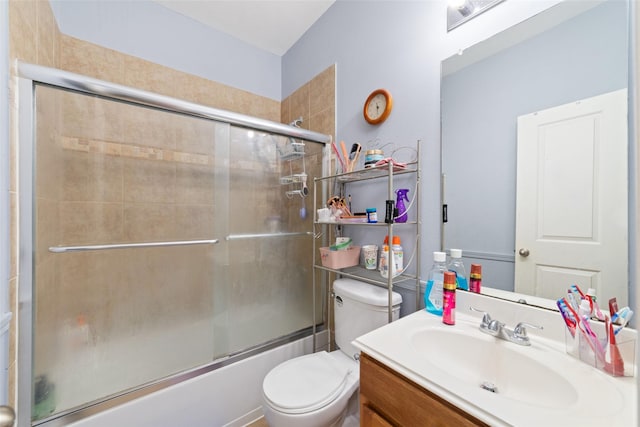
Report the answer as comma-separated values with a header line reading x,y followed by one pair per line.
x,y
270,25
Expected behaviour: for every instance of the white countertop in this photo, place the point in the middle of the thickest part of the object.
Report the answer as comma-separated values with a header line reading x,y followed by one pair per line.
x,y
394,346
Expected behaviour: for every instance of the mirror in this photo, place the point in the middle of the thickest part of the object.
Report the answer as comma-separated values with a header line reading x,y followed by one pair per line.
x,y
570,52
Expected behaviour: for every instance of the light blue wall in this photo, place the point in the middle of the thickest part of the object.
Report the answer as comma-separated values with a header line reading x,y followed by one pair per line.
x,y
391,45
150,31
397,45
581,58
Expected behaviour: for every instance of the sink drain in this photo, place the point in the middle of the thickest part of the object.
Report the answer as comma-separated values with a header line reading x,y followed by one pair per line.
x,y
489,386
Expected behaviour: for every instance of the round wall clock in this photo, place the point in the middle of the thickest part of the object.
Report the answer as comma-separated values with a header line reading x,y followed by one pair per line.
x,y
378,106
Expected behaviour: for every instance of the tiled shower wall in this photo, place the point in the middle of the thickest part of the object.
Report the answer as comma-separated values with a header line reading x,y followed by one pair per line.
x,y
34,38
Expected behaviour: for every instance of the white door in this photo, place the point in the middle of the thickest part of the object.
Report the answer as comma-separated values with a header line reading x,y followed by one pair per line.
x,y
571,204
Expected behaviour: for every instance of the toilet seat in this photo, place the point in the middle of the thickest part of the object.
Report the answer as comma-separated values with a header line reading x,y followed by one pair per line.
x,y
305,383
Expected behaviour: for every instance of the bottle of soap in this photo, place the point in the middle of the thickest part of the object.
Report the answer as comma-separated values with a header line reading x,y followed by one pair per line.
x,y
456,266
398,256
433,293
384,261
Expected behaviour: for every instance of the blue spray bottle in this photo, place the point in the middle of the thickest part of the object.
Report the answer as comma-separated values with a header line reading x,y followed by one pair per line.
x,y
402,210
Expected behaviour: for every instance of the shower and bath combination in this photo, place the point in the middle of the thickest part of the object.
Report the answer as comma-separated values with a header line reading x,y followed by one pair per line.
x,y
147,238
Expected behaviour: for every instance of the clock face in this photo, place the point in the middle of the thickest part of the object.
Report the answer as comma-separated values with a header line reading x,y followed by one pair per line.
x,y
378,106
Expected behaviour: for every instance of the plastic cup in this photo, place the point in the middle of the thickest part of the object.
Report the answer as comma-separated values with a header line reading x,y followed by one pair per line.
x,y
370,256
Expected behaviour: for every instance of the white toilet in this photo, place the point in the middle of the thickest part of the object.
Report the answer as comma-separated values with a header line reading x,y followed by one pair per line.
x,y
314,390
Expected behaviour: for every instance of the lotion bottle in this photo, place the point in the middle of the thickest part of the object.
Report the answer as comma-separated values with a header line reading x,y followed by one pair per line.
x,y
398,256
384,261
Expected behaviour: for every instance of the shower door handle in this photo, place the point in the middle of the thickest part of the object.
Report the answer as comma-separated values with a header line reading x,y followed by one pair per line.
x,y
267,235
63,249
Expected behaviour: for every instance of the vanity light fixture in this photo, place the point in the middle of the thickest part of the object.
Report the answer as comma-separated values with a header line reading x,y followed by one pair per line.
x,y
461,11
464,7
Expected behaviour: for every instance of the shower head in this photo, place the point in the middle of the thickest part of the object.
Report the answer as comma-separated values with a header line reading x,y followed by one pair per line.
x,y
297,122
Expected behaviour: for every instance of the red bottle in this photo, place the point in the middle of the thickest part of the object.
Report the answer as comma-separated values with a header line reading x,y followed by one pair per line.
x,y
475,282
449,298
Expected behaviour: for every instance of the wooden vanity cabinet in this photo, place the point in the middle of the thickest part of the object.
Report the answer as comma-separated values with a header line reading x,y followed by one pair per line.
x,y
389,399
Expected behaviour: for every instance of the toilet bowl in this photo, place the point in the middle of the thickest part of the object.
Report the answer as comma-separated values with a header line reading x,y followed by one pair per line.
x,y
315,390
311,390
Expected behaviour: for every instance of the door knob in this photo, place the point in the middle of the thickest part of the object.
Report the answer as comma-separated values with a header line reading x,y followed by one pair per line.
x,y
524,252
7,416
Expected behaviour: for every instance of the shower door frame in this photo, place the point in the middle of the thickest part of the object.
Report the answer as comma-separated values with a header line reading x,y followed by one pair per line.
x,y
29,76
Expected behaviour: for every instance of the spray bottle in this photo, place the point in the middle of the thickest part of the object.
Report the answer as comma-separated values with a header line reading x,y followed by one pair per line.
x,y
402,210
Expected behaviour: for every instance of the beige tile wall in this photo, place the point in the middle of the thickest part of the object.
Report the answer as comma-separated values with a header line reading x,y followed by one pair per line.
x,y
94,211
314,102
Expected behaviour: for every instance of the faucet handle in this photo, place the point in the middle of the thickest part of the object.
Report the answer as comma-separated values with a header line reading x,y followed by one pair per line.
x,y
494,327
486,317
520,330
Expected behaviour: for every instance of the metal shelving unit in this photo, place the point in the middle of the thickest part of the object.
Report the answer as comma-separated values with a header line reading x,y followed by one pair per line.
x,y
386,172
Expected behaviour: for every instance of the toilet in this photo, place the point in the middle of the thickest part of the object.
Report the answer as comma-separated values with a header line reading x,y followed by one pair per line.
x,y
316,390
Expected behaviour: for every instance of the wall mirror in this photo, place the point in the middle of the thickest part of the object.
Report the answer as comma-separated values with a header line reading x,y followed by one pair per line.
x,y
565,57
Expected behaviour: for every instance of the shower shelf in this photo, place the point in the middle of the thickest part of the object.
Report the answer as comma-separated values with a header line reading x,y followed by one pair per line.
x,y
292,151
293,179
386,174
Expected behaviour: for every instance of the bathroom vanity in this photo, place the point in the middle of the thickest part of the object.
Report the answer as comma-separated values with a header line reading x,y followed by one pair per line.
x,y
418,371
388,398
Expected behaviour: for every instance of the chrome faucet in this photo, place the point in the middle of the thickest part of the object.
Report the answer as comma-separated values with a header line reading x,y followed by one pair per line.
x,y
498,329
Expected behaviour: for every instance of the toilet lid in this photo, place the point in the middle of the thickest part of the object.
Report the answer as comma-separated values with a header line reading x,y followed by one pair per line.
x,y
305,383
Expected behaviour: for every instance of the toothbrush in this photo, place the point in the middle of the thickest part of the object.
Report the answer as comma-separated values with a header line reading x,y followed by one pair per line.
x,y
570,300
576,288
569,320
613,362
335,150
583,326
599,314
346,156
622,317
592,338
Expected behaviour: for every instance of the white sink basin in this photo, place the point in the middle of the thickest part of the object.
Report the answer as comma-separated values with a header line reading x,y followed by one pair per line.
x,y
499,382
481,360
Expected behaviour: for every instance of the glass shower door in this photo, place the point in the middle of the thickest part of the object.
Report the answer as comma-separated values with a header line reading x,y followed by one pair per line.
x,y
109,173
163,242
269,280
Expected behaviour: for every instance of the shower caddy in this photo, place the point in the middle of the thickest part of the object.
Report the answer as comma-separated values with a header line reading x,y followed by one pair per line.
x,y
296,179
381,173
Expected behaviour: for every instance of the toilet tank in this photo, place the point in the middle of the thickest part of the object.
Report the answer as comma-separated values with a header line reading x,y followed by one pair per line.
x,y
360,308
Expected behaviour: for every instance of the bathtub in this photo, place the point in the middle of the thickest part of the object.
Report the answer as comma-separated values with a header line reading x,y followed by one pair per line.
x,y
229,396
